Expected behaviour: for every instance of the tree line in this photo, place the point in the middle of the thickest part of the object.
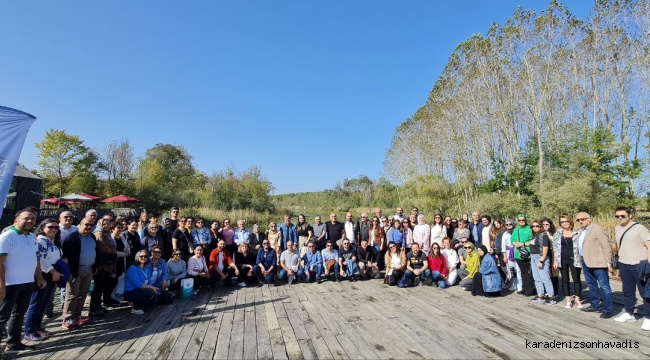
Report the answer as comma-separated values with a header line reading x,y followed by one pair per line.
x,y
546,110
162,177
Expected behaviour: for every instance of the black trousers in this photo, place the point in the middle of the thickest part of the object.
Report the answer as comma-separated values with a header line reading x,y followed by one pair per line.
x,y
528,282
104,285
568,268
12,310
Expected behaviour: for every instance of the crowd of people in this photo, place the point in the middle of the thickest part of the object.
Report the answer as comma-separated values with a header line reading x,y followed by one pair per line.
x,y
144,262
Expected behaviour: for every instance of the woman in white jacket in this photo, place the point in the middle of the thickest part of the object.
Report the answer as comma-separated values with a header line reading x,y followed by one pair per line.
x,y
422,234
438,229
452,261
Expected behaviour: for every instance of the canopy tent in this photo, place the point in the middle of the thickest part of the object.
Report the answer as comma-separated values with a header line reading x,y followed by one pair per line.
x,y
91,197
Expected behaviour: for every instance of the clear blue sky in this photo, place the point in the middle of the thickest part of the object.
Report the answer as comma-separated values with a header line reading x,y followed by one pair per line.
x,y
310,91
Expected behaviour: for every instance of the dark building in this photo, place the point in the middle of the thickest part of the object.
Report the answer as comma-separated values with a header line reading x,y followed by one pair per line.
x,y
25,190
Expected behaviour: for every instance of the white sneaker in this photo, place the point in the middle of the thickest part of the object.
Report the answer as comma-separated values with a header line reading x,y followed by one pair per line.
x,y
646,324
137,312
512,288
242,284
625,317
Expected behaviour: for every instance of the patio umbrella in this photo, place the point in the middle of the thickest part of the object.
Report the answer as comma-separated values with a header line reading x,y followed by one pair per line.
x,y
74,198
91,197
121,199
51,200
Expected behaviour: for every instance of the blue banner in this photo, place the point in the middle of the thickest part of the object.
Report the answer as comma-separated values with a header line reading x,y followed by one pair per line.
x,y
14,125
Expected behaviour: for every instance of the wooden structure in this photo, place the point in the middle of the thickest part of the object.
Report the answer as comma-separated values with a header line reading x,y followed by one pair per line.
x,y
346,320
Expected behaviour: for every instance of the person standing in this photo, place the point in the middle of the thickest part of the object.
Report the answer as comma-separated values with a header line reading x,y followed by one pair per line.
x,y
351,230
65,224
289,232
335,230
320,233
80,251
18,266
593,246
633,240
521,237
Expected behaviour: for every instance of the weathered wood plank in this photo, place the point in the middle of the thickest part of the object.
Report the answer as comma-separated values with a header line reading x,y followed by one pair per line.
x,y
264,350
223,340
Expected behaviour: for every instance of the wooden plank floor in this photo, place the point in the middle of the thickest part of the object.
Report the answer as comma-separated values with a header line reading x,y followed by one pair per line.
x,y
342,321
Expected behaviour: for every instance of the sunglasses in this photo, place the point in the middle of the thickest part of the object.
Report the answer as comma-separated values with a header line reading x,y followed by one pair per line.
x,y
177,254
521,220
52,227
329,245
265,243
435,247
546,224
620,216
156,252
581,219
143,257
510,224
564,222
535,226
467,247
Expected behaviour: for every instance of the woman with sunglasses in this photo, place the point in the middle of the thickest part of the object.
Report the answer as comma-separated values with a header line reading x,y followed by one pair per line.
x,y
176,270
566,257
540,264
461,232
521,237
137,284
408,234
159,277
182,239
549,230
48,255
422,234
395,261
513,277
472,265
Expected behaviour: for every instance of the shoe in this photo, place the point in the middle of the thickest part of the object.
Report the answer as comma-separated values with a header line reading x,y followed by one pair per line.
x,y
416,282
537,299
195,292
69,324
512,288
579,304
260,284
242,284
319,281
550,301
625,317
104,309
49,314
97,313
520,292
32,337
137,311
646,324
591,309
606,315
83,319
378,276
428,282
338,281
18,348
568,305
44,334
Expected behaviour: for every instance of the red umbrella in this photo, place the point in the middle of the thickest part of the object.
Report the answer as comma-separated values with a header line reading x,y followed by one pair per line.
x,y
92,197
51,200
121,199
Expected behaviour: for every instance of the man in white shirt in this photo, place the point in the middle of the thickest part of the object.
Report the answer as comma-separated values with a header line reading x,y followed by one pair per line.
x,y
65,224
350,230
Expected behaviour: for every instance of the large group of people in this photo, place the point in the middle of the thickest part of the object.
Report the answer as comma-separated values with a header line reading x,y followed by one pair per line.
x,y
144,262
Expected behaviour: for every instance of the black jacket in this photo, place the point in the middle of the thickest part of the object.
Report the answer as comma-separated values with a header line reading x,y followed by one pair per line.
x,y
72,251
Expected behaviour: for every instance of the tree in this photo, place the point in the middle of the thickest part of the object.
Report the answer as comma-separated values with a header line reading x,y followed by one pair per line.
x,y
119,161
59,152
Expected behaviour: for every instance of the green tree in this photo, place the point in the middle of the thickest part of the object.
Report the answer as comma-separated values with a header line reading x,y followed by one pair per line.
x,y
58,154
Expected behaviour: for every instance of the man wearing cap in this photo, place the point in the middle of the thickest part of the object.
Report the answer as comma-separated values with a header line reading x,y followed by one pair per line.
x,y
596,253
521,237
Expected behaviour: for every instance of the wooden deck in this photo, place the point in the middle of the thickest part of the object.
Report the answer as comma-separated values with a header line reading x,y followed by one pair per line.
x,y
346,320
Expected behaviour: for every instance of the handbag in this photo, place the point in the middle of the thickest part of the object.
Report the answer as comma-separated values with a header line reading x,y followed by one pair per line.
x,y
615,264
524,254
165,297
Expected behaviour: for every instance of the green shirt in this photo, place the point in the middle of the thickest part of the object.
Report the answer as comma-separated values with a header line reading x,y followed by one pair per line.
x,y
522,234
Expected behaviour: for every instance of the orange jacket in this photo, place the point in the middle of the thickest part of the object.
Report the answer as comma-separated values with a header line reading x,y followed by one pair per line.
x,y
214,259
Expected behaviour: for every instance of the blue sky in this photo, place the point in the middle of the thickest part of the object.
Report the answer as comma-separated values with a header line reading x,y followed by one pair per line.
x,y
309,91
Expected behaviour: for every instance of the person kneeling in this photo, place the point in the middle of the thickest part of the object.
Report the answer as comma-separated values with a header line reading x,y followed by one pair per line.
x,y
395,261
348,261
312,264
438,266
417,267
331,260
137,288
265,265
290,264
472,265
221,265
367,257
198,270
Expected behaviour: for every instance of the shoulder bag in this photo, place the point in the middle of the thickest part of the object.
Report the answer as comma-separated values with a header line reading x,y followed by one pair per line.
x,y
615,264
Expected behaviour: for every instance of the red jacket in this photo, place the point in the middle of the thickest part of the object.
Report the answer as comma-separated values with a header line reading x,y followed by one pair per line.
x,y
438,264
214,260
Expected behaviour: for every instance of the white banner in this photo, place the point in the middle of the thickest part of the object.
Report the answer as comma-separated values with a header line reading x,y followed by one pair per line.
x,y
14,125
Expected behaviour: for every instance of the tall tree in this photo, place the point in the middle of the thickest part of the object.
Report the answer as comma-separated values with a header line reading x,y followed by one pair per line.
x,y
58,153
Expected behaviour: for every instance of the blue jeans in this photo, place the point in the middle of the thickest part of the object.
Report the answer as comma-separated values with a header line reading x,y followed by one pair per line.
x,y
631,282
264,278
437,277
542,276
595,277
36,310
313,275
284,274
336,271
411,275
351,268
